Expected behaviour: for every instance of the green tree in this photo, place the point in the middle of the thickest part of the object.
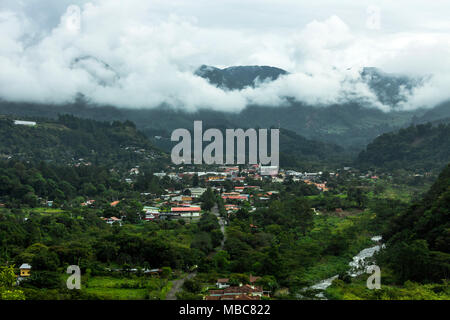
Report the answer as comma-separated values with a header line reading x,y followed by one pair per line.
x,y
7,281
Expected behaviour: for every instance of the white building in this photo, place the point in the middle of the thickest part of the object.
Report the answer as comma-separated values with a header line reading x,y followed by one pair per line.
x,y
268,170
24,123
197,192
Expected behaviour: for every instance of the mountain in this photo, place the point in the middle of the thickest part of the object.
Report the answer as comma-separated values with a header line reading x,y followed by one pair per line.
x,y
424,146
70,140
237,78
350,125
389,88
295,150
299,152
440,113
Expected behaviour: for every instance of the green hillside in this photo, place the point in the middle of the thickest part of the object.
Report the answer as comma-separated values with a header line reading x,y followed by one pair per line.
x,y
418,239
422,147
70,140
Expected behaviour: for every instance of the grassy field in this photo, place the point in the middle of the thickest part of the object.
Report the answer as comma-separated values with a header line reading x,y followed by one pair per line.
x,y
44,210
125,288
400,192
118,293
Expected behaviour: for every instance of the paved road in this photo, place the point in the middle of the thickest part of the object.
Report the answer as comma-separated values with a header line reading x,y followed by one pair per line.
x,y
176,286
215,211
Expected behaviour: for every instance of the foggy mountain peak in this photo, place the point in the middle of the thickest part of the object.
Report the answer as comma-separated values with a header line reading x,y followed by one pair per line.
x,y
239,77
390,88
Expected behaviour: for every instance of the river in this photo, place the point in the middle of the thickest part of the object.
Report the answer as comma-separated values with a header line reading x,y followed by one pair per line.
x,y
358,266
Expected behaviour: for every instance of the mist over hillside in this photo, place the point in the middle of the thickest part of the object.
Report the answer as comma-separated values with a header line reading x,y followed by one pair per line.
x,y
349,125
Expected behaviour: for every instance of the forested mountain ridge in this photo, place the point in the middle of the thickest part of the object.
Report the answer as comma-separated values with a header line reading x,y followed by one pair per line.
x,y
418,239
298,152
25,184
350,124
70,140
295,150
440,113
423,147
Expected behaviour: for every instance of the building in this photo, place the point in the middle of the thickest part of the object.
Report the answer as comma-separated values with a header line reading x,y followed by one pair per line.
x,y
231,208
25,270
151,213
178,198
232,297
112,220
88,203
153,272
268,170
215,178
186,212
25,123
114,203
222,283
134,171
245,292
234,196
197,192
159,174
186,199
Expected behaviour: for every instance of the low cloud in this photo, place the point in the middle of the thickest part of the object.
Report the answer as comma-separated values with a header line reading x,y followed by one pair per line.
x,y
134,56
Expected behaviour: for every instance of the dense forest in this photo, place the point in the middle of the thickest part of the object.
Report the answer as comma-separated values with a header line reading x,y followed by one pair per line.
x,y
422,147
415,263
349,125
70,140
418,238
295,150
299,152
51,242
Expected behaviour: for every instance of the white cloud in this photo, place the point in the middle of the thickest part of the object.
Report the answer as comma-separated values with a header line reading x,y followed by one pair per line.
x,y
143,54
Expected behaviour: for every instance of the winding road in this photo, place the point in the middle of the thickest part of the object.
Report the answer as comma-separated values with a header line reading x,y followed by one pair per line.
x,y
178,284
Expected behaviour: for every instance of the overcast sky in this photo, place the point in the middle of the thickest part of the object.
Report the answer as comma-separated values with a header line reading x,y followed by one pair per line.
x,y
142,53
